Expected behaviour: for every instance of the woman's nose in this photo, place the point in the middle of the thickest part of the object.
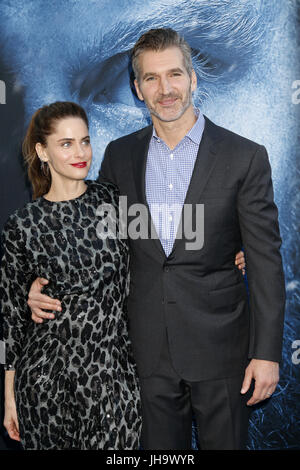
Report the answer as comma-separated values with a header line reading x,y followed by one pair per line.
x,y
79,150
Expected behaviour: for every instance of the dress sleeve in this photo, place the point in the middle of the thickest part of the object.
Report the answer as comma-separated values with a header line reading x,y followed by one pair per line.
x,y
121,228
15,281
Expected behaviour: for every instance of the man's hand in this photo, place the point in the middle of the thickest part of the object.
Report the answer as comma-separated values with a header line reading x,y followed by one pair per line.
x,y
240,261
38,301
266,376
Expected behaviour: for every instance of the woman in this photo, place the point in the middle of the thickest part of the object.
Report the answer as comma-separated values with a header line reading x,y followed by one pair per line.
x,y
70,383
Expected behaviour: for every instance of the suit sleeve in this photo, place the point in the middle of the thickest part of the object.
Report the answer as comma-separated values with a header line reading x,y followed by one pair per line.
x,y
106,173
15,281
258,217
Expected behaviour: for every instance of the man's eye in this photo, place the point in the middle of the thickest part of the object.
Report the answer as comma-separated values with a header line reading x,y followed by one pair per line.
x,y
86,142
66,144
111,81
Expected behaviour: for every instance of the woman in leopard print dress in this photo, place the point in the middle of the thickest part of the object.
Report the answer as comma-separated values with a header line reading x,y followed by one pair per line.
x,y
70,382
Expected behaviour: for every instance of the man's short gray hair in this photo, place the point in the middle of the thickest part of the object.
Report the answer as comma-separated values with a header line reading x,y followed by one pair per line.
x,y
159,40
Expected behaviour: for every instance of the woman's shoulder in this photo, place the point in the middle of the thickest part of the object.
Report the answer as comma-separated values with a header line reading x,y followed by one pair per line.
x,y
22,215
102,185
104,189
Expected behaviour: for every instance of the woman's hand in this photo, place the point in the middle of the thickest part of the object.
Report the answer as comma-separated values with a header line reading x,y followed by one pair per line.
x,y
11,423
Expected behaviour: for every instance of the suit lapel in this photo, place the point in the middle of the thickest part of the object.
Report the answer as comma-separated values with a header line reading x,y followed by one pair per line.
x,y
205,162
204,165
139,161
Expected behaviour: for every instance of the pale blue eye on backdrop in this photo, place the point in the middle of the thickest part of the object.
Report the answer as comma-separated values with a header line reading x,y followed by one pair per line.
x,y
246,58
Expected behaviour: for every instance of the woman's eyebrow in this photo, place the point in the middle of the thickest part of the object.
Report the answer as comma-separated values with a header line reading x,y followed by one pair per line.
x,y
72,139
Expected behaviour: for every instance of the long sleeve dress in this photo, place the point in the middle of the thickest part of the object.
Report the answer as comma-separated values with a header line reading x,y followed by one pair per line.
x,y
75,381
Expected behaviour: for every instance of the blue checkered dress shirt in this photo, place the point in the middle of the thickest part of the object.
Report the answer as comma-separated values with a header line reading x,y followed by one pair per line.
x,y
168,175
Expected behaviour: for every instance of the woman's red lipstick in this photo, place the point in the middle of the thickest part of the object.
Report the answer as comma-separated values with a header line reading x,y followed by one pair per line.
x,y
79,165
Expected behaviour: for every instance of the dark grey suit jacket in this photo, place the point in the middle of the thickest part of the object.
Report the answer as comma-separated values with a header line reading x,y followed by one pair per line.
x,y
200,296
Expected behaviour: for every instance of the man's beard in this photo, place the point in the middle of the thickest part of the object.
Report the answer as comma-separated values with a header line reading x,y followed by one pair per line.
x,y
185,106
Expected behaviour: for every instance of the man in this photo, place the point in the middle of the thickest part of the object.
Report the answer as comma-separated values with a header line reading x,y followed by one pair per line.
x,y
196,346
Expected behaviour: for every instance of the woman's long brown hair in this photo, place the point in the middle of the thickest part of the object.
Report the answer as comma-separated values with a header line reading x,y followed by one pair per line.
x,y
42,124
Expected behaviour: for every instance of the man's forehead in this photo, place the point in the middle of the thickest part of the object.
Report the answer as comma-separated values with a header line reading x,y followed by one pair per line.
x,y
170,57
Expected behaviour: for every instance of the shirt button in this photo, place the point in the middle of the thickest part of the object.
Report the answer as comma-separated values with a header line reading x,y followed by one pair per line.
x,y
170,218
171,186
172,156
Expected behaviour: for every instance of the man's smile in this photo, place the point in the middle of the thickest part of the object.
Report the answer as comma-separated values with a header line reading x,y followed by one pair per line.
x,y
167,102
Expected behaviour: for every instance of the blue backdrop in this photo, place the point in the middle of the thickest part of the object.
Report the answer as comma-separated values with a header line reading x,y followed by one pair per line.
x,y
246,56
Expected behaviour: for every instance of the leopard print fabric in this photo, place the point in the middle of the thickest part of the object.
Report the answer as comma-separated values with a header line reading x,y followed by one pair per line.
x,y
75,384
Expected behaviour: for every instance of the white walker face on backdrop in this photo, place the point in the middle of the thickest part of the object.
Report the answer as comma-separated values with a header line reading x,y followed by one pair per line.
x,y
243,57
246,61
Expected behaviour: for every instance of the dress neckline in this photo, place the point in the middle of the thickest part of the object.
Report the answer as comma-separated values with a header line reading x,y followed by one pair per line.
x,y
47,201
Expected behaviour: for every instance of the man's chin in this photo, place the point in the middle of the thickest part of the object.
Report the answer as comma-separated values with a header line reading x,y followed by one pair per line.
x,y
168,116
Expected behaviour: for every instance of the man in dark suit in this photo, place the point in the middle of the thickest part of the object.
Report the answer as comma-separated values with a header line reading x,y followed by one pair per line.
x,y
197,344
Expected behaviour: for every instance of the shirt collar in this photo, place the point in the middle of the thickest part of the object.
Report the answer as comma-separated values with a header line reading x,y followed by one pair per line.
x,y
195,133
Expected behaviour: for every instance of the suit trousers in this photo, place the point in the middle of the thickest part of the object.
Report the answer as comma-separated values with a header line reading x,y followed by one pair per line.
x,y
169,404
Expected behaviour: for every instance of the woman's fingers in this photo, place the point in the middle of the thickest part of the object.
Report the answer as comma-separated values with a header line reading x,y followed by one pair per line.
x,y
14,434
12,427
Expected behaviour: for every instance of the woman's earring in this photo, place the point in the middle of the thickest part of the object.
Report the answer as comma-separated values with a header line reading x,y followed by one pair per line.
x,y
45,172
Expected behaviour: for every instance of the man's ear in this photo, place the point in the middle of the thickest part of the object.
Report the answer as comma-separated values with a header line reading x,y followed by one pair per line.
x,y
138,91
